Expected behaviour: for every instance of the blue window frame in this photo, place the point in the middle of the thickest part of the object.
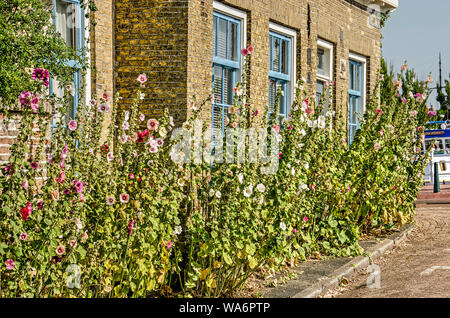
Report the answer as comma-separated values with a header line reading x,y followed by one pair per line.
x,y
69,23
355,91
226,66
280,47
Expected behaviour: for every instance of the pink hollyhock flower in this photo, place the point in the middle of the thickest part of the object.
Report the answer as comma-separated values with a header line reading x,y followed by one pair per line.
x,y
85,235
279,155
404,67
152,124
82,198
131,176
55,195
25,185
110,156
124,197
313,186
169,245
255,113
104,108
376,146
25,98
40,204
381,132
60,250
250,49
159,142
72,125
294,231
23,236
40,74
92,102
244,52
142,78
10,264
379,112
35,103
305,219
67,191
130,227
33,165
125,125
142,117
8,168
153,149
404,100
290,127
73,243
105,96
276,128
110,200
79,186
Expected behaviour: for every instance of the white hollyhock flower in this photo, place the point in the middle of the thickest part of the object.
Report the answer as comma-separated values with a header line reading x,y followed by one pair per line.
x,y
218,194
283,226
240,178
177,230
321,122
306,166
302,132
293,172
303,186
261,187
248,191
211,192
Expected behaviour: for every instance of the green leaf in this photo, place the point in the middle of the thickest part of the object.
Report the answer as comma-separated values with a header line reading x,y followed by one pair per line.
x,y
227,259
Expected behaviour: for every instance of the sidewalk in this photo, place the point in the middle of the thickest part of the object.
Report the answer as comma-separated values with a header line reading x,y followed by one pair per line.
x,y
318,278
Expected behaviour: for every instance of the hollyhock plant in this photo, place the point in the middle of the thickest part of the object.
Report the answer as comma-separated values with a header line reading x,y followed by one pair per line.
x,y
124,197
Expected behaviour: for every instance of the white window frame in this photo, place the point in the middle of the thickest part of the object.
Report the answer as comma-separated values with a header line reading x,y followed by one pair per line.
x,y
329,48
237,14
291,33
363,61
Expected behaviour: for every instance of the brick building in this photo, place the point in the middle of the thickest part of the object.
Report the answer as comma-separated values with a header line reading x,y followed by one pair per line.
x,y
188,46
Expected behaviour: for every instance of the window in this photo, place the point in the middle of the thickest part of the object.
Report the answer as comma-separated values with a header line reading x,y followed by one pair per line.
x,y
324,69
282,43
356,91
228,39
68,23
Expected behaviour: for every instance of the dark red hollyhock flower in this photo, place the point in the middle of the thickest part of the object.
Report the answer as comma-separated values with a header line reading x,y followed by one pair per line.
x,y
141,135
26,211
104,148
34,165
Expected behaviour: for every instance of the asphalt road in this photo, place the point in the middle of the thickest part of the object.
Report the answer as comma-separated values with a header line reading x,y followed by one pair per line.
x,y
419,267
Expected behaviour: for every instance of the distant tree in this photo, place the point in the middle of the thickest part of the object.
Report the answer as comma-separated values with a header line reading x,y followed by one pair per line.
x,y
443,97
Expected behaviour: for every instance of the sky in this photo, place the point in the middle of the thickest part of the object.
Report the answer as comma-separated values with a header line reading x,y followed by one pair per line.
x,y
416,32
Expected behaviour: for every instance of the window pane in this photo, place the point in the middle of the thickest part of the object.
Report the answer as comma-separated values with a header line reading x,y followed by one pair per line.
x,y
320,88
357,78
228,87
282,111
214,35
217,120
218,84
351,76
232,54
320,61
66,23
222,39
272,95
285,57
276,55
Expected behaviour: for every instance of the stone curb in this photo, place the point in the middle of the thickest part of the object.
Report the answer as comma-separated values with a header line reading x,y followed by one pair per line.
x,y
356,264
